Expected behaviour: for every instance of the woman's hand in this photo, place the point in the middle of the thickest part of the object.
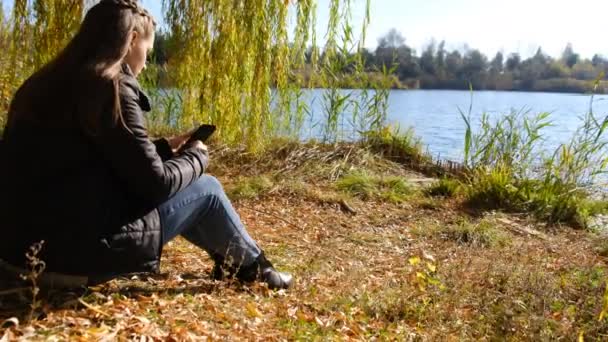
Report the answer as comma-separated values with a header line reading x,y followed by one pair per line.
x,y
199,145
178,142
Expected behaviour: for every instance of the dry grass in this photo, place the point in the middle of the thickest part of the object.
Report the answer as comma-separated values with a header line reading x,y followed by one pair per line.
x,y
419,269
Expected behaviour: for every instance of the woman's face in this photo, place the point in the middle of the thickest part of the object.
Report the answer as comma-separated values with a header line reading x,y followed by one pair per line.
x,y
138,53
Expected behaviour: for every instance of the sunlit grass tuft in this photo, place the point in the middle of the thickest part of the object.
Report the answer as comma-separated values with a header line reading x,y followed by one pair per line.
x,y
445,187
251,187
369,187
508,172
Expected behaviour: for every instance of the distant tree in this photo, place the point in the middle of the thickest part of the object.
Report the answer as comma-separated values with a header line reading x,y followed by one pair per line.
x,y
474,63
386,52
453,64
569,57
584,70
540,58
598,60
533,69
392,50
393,39
440,58
427,59
556,70
384,56
497,63
368,58
601,64
440,63
438,68
407,64
513,62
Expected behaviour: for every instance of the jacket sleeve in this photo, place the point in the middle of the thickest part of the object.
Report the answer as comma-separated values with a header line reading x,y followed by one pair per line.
x,y
135,160
163,148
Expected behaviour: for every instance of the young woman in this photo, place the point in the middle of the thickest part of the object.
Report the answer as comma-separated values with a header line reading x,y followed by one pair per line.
x,y
80,172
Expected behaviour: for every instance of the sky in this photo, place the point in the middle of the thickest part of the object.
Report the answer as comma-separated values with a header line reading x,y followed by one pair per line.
x,y
488,25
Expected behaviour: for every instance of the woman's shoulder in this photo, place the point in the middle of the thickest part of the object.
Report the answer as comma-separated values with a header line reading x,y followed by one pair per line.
x,y
130,89
128,83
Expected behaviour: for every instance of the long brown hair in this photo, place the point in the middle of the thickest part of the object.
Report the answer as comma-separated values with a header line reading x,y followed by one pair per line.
x,y
82,81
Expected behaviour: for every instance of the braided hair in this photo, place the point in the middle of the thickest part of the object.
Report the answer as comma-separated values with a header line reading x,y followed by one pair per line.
x,y
143,15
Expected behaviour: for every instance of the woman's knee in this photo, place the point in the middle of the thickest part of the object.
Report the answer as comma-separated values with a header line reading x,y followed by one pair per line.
x,y
209,184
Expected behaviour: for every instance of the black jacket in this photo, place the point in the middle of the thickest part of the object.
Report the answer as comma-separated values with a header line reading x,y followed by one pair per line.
x,y
92,199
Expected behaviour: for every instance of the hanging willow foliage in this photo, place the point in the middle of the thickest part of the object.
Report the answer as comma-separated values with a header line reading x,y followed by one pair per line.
x,y
234,62
229,53
33,34
55,23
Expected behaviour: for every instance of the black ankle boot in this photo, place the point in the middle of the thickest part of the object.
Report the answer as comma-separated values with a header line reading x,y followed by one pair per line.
x,y
261,270
221,270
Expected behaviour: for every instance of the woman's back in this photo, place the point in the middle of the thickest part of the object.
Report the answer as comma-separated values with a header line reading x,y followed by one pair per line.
x,y
58,187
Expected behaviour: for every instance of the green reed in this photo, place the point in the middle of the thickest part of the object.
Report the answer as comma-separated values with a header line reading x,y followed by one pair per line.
x,y
508,170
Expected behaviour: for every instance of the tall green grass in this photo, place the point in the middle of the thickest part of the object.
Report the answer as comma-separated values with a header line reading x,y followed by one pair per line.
x,y
369,186
507,169
399,145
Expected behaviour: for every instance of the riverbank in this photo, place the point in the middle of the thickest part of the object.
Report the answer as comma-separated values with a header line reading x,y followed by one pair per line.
x,y
306,79
378,251
501,82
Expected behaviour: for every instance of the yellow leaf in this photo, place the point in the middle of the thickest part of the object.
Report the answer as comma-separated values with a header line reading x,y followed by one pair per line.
x,y
431,267
303,316
252,310
414,261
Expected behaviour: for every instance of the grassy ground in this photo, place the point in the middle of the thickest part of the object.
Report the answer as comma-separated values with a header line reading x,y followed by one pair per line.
x,y
375,255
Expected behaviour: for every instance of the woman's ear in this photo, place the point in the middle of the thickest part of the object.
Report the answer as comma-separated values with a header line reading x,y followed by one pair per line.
x,y
134,37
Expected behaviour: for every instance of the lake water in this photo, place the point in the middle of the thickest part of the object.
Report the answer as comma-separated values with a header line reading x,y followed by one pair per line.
x,y
435,117
434,114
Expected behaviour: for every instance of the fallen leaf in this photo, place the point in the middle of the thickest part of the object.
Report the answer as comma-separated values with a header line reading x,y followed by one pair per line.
x,y
252,310
414,261
319,322
8,336
142,319
291,312
428,256
78,321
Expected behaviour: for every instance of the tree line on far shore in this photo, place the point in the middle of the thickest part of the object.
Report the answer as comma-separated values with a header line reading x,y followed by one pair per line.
x,y
437,68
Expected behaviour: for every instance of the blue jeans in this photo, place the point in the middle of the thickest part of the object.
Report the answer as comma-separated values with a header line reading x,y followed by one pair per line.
x,y
203,215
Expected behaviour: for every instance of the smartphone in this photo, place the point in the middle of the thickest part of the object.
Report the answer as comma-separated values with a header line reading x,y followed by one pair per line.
x,y
202,133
